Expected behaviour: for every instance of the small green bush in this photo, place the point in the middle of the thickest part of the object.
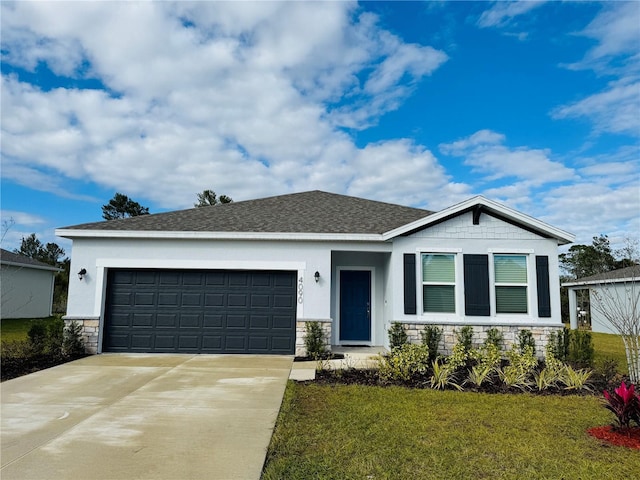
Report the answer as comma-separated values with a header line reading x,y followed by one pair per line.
x,y
494,337
314,340
72,344
465,337
581,349
38,338
558,342
525,339
404,362
431,336
397,335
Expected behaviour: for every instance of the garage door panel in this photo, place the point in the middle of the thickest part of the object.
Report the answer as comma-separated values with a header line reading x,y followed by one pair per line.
x,y
214,300
260,300
238,279
211,343
283,301
283,322
168,278
189,321
167,320
144,299
200,311
146,278
142,340
142,320
235,342
213,321
237,321
192,299
259,322
165,342
235,300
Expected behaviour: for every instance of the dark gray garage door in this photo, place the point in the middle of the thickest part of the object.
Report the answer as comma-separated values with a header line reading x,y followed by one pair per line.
x,y
195,311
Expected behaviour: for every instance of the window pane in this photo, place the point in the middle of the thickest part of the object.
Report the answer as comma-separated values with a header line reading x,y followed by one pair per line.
x,y
439,298
511,299
510,268
438,268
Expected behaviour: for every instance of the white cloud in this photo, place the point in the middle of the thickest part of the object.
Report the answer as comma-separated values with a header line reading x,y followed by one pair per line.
x,y
241,97
502,13
616,109
484,152
401,172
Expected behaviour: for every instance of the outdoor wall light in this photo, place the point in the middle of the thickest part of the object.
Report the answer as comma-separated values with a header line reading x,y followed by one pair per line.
x,y
317,276
82,273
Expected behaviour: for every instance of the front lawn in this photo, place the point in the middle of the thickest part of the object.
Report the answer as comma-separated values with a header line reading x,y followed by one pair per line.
x,y
609,346
18,328
365,432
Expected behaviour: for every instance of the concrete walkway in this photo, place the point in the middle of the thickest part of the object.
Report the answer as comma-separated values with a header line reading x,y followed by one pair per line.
x,y
116,416
354,357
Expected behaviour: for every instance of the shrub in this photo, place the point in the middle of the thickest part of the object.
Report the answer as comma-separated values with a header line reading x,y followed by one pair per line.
x,y
404,362
520,368
442,376
465,337
525,339
72,344
314,340
624,404
558,342
55,337
397,335
431,336
581,348
38,338
494,337
576,379
459,357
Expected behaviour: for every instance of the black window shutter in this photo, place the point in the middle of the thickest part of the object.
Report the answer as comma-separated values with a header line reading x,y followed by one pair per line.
x,y
542,280
409,284
476,286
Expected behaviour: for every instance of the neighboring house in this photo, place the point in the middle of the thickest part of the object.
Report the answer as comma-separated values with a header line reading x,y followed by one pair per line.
x,y
244,277
26,286
620,286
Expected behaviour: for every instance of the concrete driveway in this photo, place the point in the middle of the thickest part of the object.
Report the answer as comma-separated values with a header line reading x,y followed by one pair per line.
x,y
116,416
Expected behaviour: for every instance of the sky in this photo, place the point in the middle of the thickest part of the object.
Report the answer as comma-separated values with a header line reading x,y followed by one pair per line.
x,y
532,104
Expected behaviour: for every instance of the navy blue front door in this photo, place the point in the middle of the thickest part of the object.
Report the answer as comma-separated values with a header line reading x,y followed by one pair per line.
x,y
355,305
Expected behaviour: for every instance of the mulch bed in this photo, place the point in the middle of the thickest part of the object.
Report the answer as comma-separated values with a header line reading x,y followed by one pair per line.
x,y
17,367
624,438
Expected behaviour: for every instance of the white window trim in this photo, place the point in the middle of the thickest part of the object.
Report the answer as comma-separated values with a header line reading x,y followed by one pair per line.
x,y
458,285
528,254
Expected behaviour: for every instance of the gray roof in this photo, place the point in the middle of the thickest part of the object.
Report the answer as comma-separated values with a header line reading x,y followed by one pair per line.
x,y
307,212
10,258
607,277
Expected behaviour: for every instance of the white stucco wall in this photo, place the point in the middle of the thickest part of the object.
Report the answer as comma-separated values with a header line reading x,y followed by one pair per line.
x,y
96,255
26,292
460,236
625,295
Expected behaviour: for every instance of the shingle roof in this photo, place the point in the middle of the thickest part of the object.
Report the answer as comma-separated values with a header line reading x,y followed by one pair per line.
x,y
307,212
628,272
16,259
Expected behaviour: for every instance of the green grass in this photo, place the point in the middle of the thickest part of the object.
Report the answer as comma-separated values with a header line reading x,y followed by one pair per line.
x,y
18,328
607,346
351,431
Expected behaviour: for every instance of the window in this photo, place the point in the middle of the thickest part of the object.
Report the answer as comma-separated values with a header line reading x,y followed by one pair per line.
x,y
511,283
438,283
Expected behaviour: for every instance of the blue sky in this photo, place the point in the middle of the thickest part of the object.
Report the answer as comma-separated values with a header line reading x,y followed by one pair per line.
x,y
533,104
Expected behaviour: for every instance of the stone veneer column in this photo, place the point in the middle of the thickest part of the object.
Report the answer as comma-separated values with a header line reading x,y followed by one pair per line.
x,y
301,331
89,335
